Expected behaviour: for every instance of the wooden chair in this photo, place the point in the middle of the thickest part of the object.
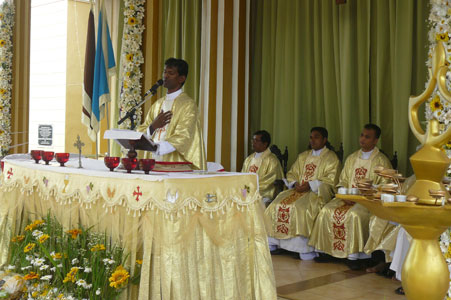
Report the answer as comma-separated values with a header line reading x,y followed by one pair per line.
x,y
393,160
283,158
340,153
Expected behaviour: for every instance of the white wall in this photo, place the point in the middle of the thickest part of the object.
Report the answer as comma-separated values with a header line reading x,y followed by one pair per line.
x,y
48,48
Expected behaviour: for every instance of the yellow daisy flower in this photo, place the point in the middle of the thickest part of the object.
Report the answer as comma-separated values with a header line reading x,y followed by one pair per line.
x,y
139,261
131,21
129,57
43,238
18,238
442,37
71,275
436,104
119,277
74,233
30,276
2,91
57,255
38,222
2,43
29,247
98,247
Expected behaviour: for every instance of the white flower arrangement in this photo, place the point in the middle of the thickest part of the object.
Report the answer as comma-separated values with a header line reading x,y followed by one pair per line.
x,y
438,108
6,55
440,20
131,60
77,257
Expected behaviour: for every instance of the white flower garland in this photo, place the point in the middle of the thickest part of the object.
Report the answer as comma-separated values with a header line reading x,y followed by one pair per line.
x,y
6,57
438,108
131,60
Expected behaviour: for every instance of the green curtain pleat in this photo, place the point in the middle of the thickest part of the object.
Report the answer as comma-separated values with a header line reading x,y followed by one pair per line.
x,y
315,63
181,36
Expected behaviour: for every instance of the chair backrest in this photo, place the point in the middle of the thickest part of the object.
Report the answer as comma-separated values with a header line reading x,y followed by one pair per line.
x,y
283,158
393,160
340,153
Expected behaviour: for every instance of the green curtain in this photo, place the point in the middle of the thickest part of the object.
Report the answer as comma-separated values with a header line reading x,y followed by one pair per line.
x,y
315,63
181,37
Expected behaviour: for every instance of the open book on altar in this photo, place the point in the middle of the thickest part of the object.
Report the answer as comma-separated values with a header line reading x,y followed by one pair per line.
x,y
130,139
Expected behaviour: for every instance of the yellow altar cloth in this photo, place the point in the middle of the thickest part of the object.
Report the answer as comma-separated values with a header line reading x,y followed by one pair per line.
x,y
200,235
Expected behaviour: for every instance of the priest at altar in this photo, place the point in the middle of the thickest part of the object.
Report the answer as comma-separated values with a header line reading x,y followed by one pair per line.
x,y
173,121
311,181
264,163
341,229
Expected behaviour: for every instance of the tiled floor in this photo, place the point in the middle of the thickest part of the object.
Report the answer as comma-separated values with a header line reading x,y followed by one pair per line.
x,y
307,280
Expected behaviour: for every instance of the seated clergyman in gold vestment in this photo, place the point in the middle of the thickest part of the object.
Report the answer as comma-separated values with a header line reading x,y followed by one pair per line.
x,y
264,163
311,180
342,227
173,121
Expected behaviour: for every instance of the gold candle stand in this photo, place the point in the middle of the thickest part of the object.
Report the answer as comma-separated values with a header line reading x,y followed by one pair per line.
x,y
425,274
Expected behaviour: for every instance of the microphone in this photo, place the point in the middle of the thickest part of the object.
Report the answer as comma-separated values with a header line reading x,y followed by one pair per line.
x,y
154,88
130,114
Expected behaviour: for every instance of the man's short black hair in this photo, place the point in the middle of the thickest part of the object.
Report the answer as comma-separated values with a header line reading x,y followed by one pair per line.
x,y
180,64
323,131
377,129
265,136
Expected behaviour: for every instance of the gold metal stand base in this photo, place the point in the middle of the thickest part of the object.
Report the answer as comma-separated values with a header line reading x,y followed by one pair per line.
x,y
425,273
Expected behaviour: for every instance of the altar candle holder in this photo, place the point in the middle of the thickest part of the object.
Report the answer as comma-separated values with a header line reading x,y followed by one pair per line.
x,y
111,162
47,156
146,164
36,155
62,158
129,163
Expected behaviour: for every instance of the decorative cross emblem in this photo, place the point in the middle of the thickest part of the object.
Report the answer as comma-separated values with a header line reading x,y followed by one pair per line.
x,y
10,173
137,193
211,198
79,144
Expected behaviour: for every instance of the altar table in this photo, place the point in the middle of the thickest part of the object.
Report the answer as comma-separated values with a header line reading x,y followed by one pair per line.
x,y
200,235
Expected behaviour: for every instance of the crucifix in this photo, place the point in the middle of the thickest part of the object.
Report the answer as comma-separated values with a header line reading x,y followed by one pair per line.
x,y
78,144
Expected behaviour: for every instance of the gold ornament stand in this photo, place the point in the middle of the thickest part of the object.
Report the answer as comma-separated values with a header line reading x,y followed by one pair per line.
x,y
425,273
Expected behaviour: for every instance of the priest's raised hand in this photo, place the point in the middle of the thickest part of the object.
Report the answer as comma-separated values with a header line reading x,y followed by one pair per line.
x,y
160,121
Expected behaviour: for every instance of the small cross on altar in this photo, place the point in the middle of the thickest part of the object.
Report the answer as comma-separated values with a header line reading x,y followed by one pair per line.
x,y
79,144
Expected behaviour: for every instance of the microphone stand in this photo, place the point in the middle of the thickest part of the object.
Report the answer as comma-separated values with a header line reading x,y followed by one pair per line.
x,y
131,113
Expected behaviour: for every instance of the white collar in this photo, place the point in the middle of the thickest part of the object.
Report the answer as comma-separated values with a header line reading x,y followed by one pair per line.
x,y
258,154
366,155
173,95
317,152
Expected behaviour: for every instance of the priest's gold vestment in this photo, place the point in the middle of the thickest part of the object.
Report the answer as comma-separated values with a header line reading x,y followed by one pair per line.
x,y
184,132
293,213
268,168
342,229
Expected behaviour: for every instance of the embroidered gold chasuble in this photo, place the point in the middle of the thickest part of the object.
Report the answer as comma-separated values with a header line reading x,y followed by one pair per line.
x,y
292,213
341,229
184,132
268,168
